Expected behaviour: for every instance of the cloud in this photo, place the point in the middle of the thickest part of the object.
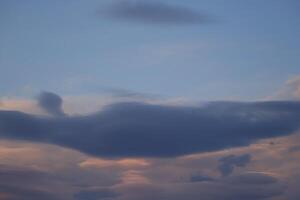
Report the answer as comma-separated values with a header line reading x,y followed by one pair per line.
x,y
200,178
253,178
247,186
51,103
16,193
154,13
228,163
124,93
294,149
96,194
123,163
290,90
134,129
293,190
27,184
164,178
23,105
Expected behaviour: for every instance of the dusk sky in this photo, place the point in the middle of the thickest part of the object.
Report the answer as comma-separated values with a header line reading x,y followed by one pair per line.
x,y
149,100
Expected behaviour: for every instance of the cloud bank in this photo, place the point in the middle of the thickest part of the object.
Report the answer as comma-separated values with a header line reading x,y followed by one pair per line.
x,y
154,13
53,176
246,186
135,129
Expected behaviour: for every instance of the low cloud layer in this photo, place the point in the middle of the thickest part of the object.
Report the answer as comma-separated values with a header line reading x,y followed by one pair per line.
x,y
144,130
49,175
247,186
154,13
32,184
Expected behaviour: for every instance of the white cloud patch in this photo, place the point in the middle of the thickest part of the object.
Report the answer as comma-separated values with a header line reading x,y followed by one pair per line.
x,y
290,90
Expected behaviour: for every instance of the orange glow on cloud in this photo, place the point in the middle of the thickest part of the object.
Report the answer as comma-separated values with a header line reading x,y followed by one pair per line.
x,y
124,163
20,105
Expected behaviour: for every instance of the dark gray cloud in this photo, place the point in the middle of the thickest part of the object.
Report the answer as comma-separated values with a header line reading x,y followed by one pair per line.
x,y
144,130
228,163
154,12
51,103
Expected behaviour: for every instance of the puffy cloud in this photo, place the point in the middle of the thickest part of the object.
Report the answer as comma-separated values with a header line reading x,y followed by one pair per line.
x,y
51,103
154,13
134,129
228,163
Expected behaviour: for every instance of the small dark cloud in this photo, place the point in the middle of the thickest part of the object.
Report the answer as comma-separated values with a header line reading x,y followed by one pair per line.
x,y
228,163
51,103
154,13
200,178
134,129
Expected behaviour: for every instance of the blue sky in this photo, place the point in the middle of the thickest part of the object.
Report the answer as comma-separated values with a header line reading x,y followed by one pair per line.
x,y
246,50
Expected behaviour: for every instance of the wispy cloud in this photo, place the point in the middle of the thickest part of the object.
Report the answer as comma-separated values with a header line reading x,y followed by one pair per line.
x,y
154,13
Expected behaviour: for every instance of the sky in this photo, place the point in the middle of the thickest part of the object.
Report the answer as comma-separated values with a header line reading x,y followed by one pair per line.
x,y
149,99
250,43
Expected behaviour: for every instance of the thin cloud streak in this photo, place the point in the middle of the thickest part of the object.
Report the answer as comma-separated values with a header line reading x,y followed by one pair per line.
x,y
153,13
